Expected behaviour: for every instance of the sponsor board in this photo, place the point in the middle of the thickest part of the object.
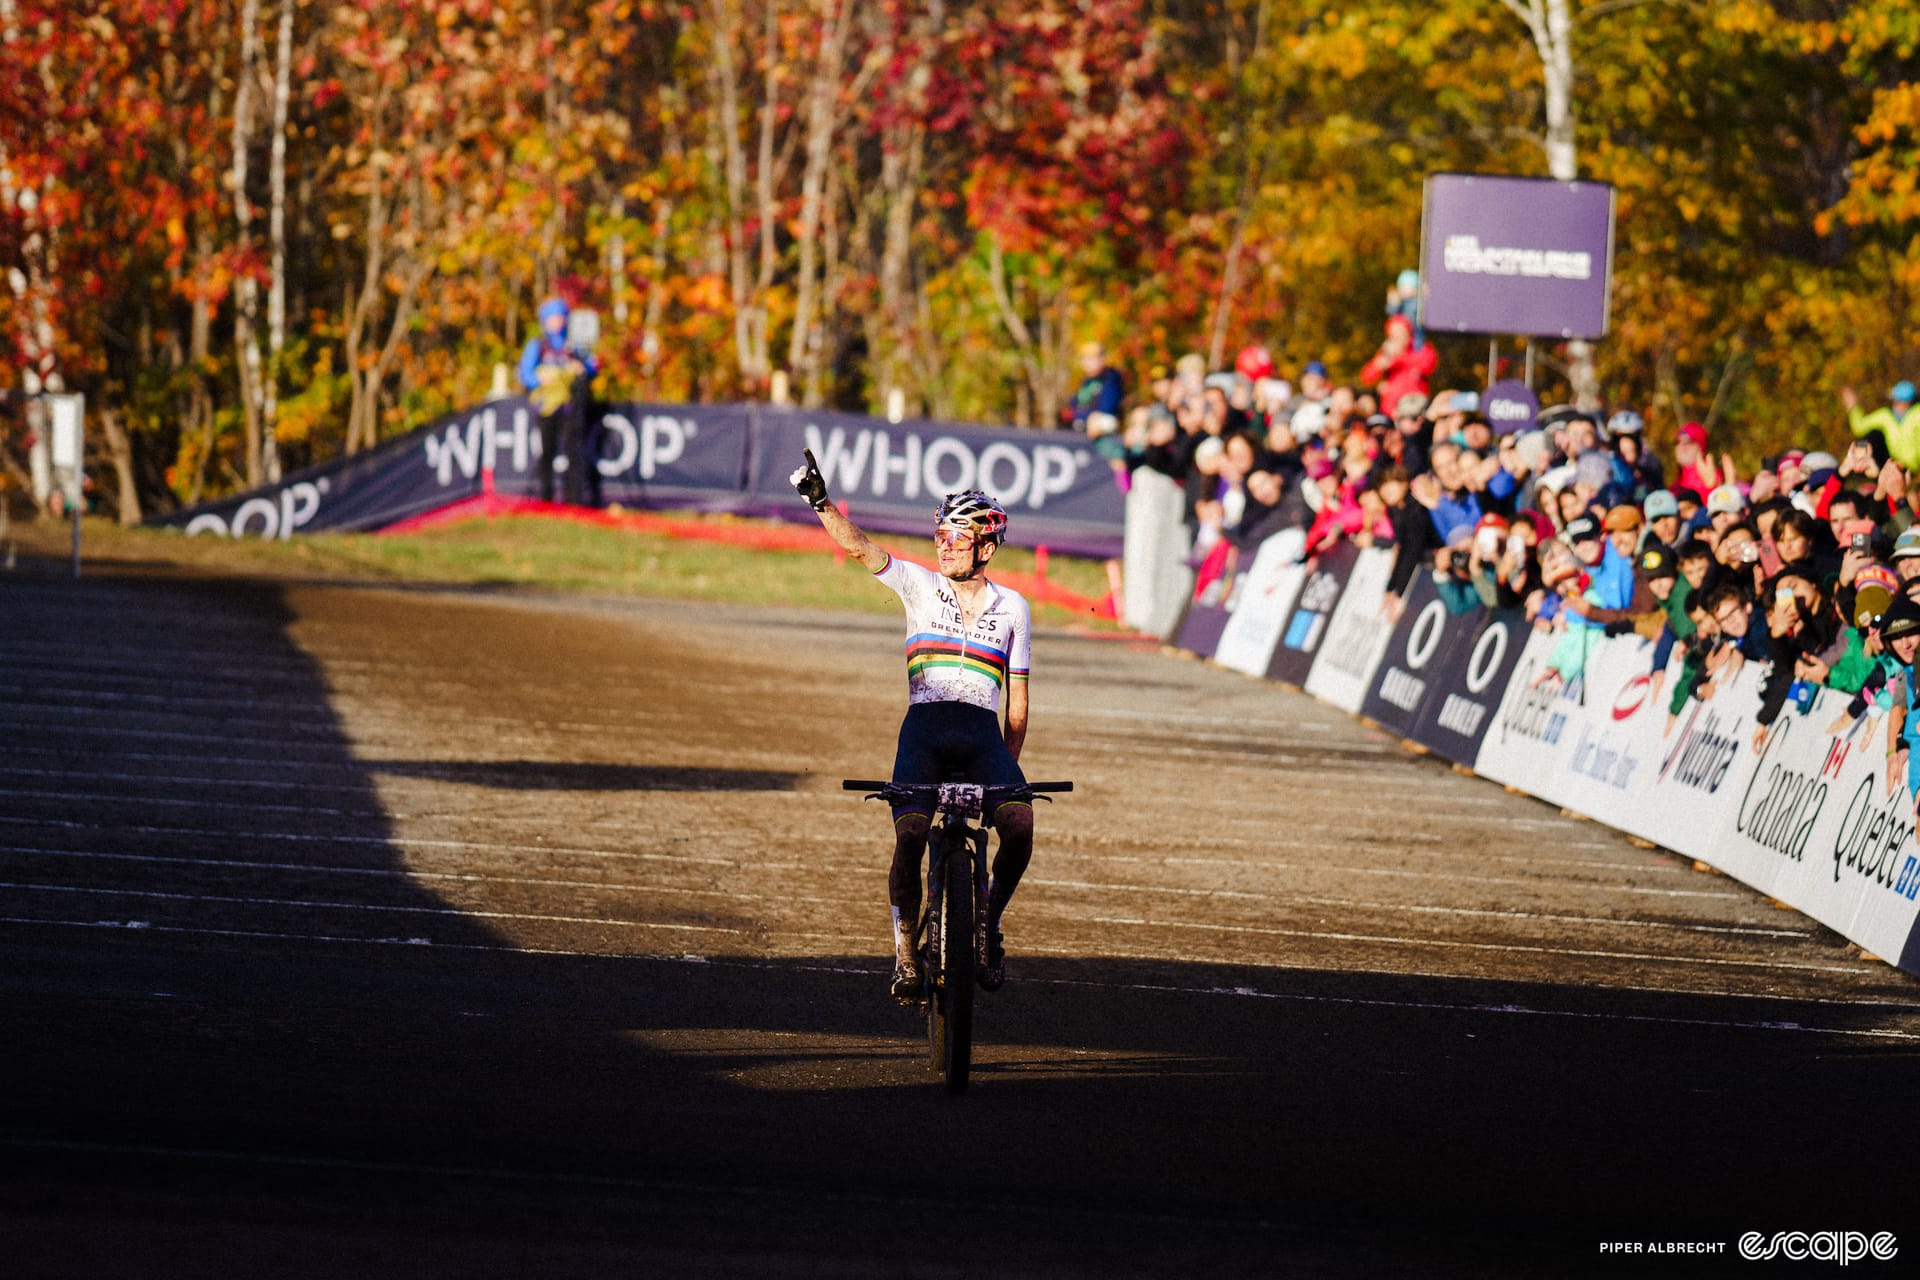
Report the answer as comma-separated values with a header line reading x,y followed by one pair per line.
x,y
1200,629
645,455
1263,596
1306,626
1684,801
1466,680
891,476
1503,254
1613,732
1357,635
715,457
1421,644
1530,736
1811,821
1158,580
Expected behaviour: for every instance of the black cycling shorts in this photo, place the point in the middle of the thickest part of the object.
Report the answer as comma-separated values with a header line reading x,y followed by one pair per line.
x,y
941,739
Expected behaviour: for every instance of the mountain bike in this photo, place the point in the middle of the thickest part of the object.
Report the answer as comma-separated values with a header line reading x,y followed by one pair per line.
x,y
951,934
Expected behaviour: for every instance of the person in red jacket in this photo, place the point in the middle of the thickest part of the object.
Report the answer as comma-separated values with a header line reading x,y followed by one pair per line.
x,y
1402,364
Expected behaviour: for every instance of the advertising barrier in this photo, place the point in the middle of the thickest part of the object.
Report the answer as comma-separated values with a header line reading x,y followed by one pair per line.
x,y
1814,821
1057,491
1201,628
1306,625
707,457
1157,578
1421,643
1357,635
1466,679
1263,596
1810,818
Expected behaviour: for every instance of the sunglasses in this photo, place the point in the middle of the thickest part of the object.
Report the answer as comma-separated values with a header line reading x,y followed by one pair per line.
x,y
952,539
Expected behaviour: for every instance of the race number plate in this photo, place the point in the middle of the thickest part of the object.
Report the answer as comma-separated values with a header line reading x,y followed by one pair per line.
x,y
962,798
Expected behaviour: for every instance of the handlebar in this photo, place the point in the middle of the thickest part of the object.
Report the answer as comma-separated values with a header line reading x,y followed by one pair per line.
x,y
864,784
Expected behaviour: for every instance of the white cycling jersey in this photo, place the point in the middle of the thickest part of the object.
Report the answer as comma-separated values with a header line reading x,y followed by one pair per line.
x,y
947,664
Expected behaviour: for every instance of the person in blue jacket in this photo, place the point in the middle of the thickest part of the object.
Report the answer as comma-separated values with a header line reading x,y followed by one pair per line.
x,y
558,380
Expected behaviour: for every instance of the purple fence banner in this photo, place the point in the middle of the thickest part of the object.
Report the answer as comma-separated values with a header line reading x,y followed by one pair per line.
x,y
1516,255
1056,490
706,457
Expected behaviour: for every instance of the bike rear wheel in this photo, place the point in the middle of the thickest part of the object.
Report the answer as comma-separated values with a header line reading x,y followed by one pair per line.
x,y
956,965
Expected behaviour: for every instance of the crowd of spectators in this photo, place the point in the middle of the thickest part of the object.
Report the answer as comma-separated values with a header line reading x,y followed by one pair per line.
x,y
1810,565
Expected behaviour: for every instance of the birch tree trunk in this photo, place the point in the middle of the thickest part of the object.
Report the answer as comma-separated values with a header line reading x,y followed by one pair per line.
x,y
277,241
748,292
823,119
1550,23
903,153
246,290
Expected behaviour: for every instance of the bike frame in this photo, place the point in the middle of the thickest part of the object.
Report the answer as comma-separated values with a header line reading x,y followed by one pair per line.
x,y
956,895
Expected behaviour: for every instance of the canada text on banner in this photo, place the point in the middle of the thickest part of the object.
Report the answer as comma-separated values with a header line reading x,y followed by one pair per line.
x,y
891,476
1814,820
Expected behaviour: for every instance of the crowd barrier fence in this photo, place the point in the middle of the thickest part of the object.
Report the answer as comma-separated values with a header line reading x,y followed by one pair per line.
x,y
729,458
1811,819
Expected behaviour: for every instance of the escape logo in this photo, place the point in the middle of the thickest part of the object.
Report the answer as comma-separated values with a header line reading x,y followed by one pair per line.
x,y
1843,1247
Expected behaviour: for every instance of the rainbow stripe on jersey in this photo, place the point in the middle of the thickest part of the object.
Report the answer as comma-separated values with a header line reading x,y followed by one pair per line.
x,y
928,652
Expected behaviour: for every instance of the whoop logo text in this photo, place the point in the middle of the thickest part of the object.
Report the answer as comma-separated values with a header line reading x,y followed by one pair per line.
x,y
1842,1247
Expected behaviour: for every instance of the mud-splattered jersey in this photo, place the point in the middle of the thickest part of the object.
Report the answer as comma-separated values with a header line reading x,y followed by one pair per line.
x,y
943,663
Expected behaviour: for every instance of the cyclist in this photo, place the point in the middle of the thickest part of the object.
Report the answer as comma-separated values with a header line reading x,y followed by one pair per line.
x,y
968,640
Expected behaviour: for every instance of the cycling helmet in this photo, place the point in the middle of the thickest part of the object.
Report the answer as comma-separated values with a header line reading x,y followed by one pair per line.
x,y
1625,423
975,512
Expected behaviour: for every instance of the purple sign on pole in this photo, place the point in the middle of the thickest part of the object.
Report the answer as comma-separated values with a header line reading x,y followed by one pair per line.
x,y
1525,256
1510,407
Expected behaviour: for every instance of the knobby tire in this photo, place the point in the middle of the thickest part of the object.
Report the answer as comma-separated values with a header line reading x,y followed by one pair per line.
x,y
957,962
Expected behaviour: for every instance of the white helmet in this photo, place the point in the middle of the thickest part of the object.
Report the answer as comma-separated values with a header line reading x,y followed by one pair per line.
x,y
1625,423
975,512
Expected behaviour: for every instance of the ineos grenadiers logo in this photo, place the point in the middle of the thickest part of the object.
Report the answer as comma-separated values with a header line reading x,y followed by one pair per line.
x,y
1843,1247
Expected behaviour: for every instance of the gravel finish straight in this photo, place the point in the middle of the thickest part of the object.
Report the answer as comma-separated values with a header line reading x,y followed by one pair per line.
x,y
423,932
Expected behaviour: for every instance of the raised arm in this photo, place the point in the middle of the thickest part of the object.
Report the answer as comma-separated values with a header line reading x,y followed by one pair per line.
x,y
813,487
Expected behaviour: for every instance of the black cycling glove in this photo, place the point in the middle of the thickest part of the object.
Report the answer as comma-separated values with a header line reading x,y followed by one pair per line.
x,y
811,484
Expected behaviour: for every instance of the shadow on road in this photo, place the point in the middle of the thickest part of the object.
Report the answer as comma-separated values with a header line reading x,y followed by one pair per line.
x,y
561,775
216,1062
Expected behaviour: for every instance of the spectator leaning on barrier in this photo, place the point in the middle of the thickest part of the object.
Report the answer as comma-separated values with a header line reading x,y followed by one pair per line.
x,y
1900,632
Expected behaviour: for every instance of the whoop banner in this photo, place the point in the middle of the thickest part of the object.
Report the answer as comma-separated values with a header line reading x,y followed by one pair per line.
x,y
711,457
1057,491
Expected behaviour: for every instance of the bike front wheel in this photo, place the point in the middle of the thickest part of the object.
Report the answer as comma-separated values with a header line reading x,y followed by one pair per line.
x,y
956,966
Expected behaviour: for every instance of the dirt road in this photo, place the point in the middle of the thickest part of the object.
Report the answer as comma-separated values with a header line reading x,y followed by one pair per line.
x,y
432,933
